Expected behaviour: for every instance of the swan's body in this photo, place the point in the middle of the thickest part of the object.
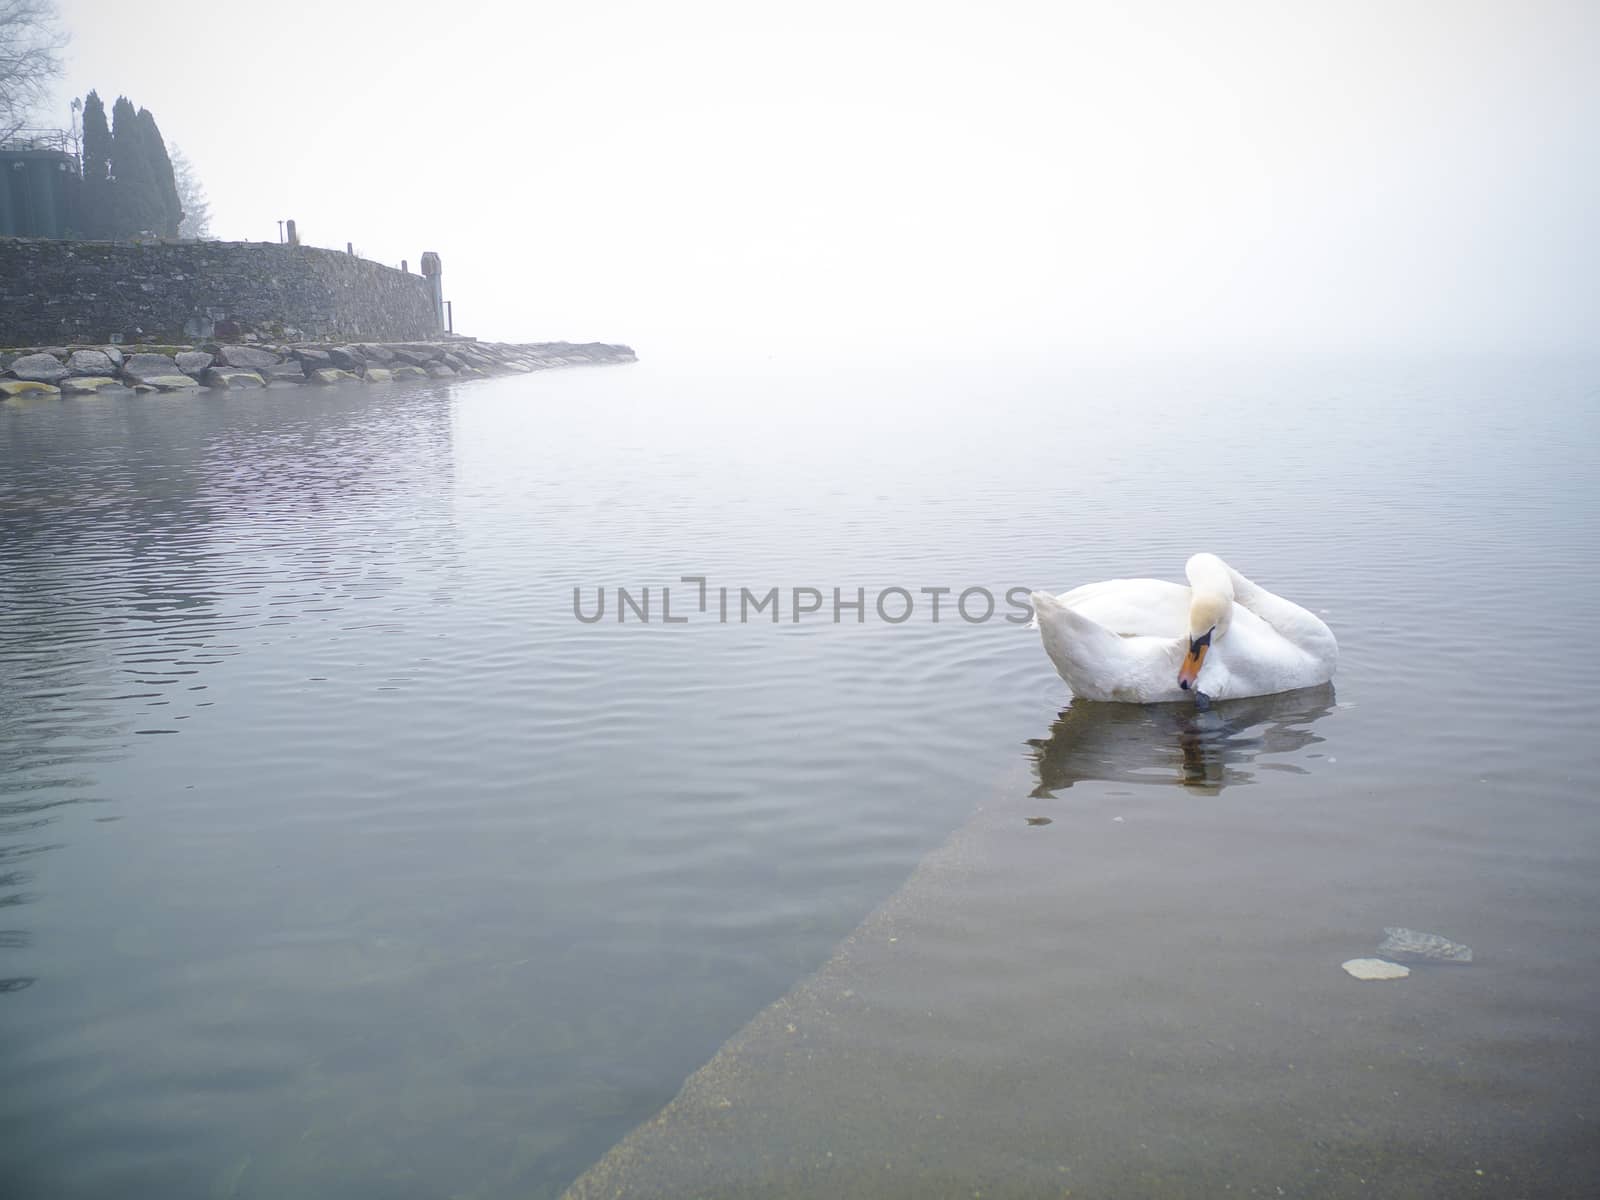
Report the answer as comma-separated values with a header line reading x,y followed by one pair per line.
x,y
1132,639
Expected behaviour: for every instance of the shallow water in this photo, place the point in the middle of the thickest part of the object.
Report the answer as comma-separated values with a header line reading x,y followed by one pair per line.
x,y
342,860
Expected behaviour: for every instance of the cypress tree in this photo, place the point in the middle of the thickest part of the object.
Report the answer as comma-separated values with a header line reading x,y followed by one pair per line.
x,y
136,204
166,209
129,184
96,168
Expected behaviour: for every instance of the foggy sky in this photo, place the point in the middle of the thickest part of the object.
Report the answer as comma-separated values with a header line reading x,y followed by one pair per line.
x,y
1082,177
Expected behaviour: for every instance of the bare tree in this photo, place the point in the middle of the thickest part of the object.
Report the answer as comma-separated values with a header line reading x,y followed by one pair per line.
x,y
30,57
192,195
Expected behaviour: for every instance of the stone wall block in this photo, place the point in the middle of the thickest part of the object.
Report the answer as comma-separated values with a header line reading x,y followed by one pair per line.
x,y
178,292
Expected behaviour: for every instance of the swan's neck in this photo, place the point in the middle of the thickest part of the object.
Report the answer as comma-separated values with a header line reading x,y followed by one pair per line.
x,y
1209,575
1211,595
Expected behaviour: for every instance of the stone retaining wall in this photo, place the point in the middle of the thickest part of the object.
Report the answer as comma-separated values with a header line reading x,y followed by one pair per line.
x,y
84,370
95,292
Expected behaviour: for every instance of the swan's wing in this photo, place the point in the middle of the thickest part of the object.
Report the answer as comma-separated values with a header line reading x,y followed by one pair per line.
x,y
1100,665
1133,607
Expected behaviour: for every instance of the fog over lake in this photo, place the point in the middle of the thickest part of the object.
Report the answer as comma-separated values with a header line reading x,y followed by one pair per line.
x,y
890,178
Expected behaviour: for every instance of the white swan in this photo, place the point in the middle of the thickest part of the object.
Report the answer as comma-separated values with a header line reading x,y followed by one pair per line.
x,y
1143,641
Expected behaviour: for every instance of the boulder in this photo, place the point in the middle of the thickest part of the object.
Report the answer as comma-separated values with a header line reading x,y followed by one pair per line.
x,y
406,371
426,351
288,372
246,358
439,371
331,375
310,359
88,385
451,360
381,355
38,368
138,368
192,362
169,383
409,357
378,375
113,353
231,379
27,387
90,362
347,358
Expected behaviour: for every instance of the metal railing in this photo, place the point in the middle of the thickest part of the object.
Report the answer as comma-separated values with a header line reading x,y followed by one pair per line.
x,y
41,139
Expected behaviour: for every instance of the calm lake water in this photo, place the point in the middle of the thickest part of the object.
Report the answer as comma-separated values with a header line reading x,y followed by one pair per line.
x,y
338,859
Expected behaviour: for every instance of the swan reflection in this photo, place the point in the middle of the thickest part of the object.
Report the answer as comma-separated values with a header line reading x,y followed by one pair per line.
x,y
1204,749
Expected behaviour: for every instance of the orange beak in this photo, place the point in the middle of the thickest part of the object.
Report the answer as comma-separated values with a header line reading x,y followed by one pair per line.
x,y
1190,671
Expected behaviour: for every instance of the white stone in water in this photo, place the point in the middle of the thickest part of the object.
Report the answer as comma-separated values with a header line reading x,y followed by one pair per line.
x,y
1375,968
1417,946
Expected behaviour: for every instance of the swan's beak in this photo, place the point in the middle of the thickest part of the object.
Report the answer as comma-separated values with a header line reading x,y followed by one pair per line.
x,y
1190,671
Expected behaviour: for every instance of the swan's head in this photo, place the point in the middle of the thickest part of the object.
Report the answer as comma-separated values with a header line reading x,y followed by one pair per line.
x,y
1209,614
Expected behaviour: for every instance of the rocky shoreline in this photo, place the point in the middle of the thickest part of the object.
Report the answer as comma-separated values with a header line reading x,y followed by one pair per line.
x,y
87,370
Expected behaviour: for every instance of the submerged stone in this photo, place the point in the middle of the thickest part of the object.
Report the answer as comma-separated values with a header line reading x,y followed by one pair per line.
x,y
379,375
88,385
1375,968
1415,946
332,375
170,383
27,387
225,379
